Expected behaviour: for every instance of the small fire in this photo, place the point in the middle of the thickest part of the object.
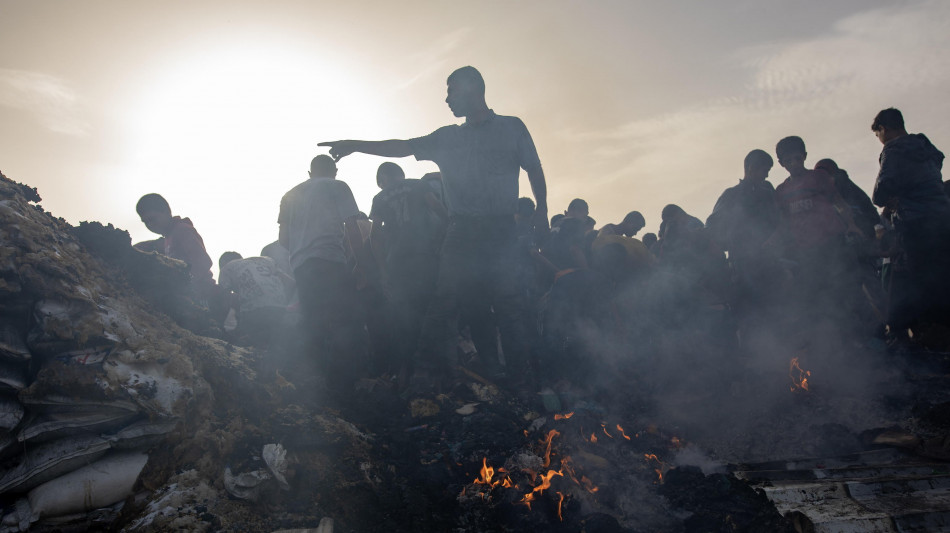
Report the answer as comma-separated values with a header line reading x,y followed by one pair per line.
x,y
486,473
538,482
547,446
676,442
659,469
528,498
565,416
624,435
546,481
798,376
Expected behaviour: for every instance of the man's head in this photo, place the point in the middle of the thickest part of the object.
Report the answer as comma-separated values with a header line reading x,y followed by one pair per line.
x,y
155,213
465,92
757,165
672,213
227,257
791,155
577,209
649,239
888,125
828,165
322,166
632,223
389,174
525,208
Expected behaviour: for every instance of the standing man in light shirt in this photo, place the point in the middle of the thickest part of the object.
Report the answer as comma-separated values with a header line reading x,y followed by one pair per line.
x,y
480,161
315,218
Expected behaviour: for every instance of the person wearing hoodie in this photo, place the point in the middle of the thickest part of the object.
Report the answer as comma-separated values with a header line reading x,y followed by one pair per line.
x,y
179,240
909,187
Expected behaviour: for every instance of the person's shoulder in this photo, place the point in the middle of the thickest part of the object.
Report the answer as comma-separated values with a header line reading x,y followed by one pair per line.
x,y
448,129
296,190
258,261
183,225
784,185
510,121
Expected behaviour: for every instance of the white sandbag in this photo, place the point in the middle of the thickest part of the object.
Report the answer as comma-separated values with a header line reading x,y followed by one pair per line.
x,y
141,434
60,403
103,483
49,426
51,460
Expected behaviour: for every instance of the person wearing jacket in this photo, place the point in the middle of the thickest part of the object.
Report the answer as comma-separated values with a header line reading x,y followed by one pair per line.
x,y
909,187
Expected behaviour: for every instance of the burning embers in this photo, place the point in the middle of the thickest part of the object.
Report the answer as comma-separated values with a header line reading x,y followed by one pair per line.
x,y
548,468
798,376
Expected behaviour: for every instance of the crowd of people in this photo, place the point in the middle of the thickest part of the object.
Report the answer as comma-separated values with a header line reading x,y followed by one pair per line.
x,y
458,255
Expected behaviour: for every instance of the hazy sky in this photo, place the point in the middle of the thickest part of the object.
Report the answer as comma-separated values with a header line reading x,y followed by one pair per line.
x,y
219,105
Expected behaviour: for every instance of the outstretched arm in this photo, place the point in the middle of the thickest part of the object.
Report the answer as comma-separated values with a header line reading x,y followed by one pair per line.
x,y
390,148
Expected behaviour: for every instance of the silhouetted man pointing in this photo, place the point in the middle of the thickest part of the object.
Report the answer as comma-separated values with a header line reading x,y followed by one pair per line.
x,y
480,162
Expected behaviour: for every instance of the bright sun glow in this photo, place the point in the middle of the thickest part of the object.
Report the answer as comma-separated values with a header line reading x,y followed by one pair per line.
x,y
225,133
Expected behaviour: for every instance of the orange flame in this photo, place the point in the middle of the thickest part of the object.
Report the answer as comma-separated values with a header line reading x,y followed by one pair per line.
x,y
560,503
593,438
528,498
799,381
547,443
546,481
660,465
487,473
676,442
620,429
565,416
604,427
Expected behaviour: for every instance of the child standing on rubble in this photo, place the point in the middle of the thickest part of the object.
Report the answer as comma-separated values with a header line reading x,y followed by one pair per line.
x,y
179,240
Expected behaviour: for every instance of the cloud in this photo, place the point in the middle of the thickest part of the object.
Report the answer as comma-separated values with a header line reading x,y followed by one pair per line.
x,y
826,89
432,60
54,103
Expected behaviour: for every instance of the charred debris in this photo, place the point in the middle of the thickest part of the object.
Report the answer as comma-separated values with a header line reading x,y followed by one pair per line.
x,y
122,409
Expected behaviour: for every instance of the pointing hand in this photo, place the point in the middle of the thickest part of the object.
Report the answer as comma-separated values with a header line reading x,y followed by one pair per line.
x,y
340,149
